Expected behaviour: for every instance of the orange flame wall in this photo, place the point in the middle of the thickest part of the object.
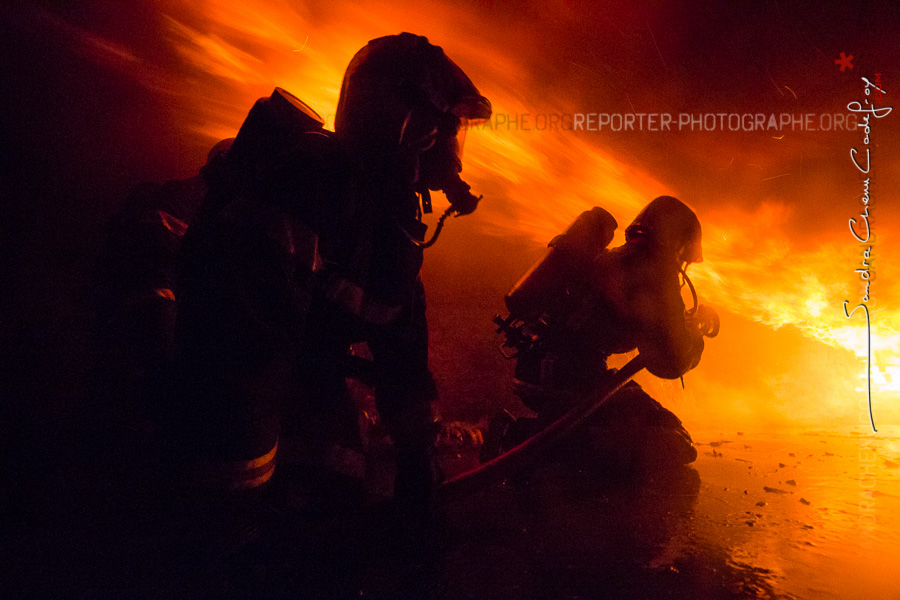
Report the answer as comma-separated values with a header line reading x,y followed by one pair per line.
x,y
779,260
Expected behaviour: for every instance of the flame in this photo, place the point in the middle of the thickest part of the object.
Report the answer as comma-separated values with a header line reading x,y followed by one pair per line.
x,y
227,54
754,269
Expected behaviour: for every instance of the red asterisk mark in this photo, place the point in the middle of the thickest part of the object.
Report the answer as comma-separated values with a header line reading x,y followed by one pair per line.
x,y
844,61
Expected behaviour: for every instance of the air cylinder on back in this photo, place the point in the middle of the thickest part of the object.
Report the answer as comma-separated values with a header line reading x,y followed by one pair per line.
x,y
568,254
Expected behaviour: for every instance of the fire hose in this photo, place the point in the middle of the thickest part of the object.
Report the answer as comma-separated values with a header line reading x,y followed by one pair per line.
x,y
520,456
703,317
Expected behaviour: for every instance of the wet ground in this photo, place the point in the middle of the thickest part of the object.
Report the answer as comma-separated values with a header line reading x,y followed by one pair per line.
x,y
759,515
814,513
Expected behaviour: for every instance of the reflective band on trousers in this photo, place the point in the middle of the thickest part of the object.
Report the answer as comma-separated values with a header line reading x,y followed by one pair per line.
x,y
237,474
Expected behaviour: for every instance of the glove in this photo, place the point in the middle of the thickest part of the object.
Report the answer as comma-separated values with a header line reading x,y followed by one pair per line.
x,y
705,319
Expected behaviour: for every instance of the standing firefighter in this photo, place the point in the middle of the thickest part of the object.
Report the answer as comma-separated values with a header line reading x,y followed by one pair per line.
x,y
401,119
584,302
310,241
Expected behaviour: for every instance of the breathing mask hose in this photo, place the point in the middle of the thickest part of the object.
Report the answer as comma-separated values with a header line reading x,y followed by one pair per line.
x,y
462,202
437,231
692,311
706,316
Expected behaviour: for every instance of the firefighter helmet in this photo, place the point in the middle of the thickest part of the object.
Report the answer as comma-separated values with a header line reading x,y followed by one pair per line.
x,y
672,225
403,99
396,81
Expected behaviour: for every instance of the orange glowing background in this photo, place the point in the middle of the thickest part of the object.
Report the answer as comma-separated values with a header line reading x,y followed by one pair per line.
x,y
779,258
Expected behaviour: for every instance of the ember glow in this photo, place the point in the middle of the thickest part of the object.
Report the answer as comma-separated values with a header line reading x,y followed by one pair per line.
x,y
220,55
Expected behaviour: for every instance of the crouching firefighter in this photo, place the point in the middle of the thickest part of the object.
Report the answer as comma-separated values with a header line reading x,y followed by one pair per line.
x,y
310,241
583,303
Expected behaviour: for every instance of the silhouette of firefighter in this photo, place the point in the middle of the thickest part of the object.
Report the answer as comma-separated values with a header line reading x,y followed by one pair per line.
x,y
310,241
583,303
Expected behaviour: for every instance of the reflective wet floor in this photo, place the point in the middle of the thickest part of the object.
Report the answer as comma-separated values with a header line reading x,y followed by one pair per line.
x,y
793,515
759,515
